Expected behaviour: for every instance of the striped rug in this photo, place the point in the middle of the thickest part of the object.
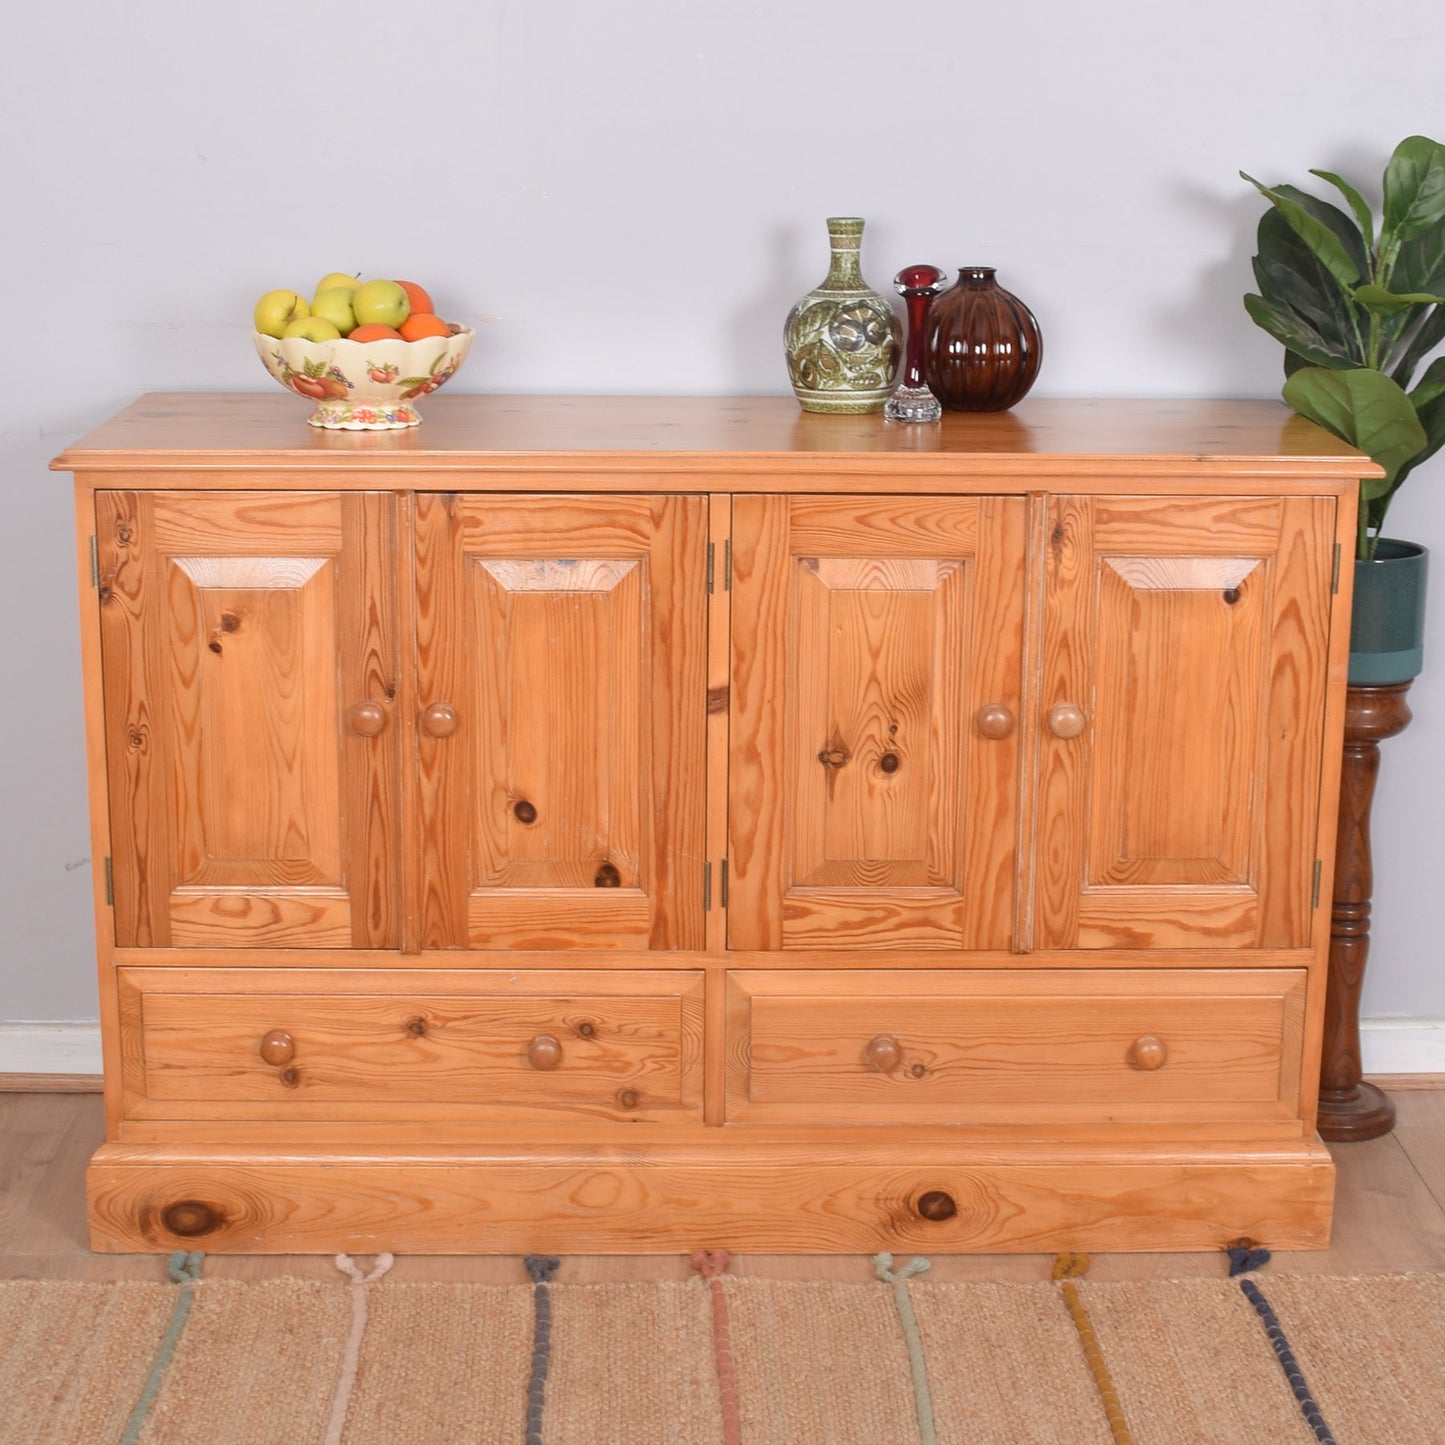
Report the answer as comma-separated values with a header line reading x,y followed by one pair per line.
x,y
722,1360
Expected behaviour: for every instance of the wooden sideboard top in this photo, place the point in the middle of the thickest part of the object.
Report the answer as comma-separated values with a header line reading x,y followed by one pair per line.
x,y
267,433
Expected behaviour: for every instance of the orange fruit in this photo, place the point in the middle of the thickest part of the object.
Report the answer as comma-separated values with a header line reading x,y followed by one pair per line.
x,y
420,301
415,327
373,332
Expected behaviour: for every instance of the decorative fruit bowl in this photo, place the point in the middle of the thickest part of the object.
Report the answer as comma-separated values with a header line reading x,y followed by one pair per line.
x,y
364,385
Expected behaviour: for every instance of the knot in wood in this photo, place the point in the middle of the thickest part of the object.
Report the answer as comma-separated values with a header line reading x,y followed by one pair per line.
x,y
937,1205
190,1217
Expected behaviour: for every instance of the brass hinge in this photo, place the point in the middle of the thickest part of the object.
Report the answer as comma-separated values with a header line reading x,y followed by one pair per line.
x,y
1335,572
109,884
1315,889
94,563
711,550
723,890
707,887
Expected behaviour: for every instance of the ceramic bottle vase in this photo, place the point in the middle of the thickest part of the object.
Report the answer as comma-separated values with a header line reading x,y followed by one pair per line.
x,y
984,346
843,339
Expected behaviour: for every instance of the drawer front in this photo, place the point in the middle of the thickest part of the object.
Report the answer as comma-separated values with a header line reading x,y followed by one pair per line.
x,y
305,1044
1094,1046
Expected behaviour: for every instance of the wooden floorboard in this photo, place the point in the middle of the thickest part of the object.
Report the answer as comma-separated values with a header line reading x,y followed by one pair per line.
x,y
1389,1218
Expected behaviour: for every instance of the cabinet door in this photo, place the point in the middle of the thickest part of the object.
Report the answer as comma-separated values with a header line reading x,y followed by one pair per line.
x,y
1181,720
877,663
561,654
248,655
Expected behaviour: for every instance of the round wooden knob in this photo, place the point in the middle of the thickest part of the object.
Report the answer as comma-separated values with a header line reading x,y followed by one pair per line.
x,y
278,1047
1149,1052
190,1217
439,720
544,1052
937,1205
995,720
1066,720
883,1053
366,718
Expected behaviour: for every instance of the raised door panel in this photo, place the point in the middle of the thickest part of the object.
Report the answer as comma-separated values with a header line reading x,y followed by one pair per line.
x,y
249,662
877,666
562,644
1181,721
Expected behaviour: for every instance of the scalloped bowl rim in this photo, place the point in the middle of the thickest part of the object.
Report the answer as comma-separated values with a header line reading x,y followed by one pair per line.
x,y
324,348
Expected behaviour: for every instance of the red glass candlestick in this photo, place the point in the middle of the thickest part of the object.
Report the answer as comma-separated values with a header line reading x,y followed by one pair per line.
x,y
912,400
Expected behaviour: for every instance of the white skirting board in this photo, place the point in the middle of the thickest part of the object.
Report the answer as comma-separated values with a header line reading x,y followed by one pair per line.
x,y
1387,1046
49,1048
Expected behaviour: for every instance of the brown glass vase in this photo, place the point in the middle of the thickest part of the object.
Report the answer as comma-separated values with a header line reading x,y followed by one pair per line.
x,y
984,346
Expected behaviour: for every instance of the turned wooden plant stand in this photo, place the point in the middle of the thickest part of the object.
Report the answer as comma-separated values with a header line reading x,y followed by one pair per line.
x,y
1350,1108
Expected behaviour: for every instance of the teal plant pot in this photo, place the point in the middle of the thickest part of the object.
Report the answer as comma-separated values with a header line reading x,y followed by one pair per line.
x,y
1387,625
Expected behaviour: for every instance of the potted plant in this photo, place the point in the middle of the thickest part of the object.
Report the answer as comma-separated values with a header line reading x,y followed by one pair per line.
x,y
1358,303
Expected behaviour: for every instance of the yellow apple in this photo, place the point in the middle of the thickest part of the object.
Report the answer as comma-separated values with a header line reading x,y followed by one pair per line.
x,y
335,279
334,305
313,328
276,310
381,303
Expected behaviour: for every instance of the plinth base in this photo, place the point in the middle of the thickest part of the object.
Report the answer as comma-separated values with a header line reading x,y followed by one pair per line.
x,y
1363,1112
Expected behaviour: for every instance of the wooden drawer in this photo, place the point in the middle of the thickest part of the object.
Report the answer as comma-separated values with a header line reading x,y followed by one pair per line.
x,y
374,1046
821,1047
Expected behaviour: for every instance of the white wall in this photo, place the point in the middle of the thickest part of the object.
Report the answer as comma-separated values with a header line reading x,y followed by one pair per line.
x,y
628,197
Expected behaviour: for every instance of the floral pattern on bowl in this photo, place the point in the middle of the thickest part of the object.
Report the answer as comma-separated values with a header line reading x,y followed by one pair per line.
x,y
364,385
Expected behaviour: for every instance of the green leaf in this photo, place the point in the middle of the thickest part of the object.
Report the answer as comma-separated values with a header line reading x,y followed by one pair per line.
x,y
1358,204
1289,276
1295,334
1366,409
1377,298
1431,387
1428,400
1429,335
1333,219
1414,189
1420,264
1322,240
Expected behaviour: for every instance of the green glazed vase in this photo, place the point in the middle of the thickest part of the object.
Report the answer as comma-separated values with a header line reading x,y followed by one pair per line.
x,y
843,339
1387,620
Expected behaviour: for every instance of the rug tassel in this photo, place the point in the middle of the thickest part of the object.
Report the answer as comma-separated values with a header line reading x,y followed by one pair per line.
x,y
1068,1268
710,1264
1244,1256
541,1268
922,1396
351,1357
183,1269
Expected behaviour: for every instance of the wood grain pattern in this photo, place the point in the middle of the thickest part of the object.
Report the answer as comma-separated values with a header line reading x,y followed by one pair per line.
x,y
1202,444
484,696
570,636
266,1205
455,1045
1386,1218
233,629
1188,810
1024,1048
867,808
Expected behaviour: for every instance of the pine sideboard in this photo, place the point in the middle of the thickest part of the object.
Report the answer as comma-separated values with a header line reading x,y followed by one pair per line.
x,y
627,824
